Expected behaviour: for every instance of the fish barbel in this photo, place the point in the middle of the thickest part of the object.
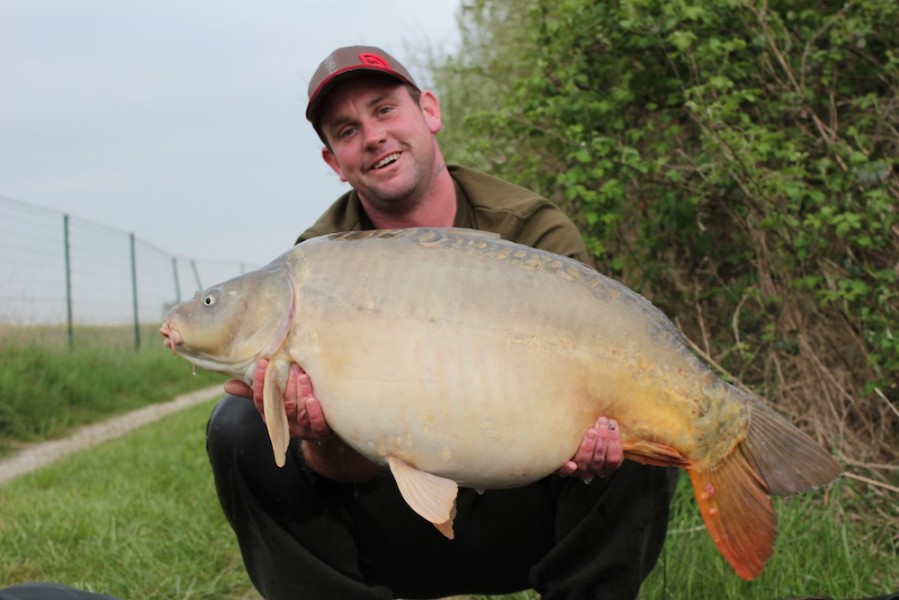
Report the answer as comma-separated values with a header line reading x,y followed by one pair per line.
x,y
458,358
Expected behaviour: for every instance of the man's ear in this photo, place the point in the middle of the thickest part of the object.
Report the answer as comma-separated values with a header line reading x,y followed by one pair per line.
x,y
430,108
329,158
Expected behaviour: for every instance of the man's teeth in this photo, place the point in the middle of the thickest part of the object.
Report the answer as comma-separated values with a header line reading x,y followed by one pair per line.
x,y
387,160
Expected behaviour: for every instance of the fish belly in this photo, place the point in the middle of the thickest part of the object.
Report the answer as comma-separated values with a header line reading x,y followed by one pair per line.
x,y
472,406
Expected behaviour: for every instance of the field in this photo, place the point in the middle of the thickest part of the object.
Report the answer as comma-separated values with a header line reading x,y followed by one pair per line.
x,y
138,518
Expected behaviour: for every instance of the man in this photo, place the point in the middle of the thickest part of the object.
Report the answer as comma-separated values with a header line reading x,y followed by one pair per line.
x,y
331,524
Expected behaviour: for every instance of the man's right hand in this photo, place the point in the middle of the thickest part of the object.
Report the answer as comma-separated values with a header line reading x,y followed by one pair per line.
x,y
305,417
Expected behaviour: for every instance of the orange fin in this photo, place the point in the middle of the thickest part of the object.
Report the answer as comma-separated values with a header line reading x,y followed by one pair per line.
x,y
737,512
275,416
775,457
654,453
431,496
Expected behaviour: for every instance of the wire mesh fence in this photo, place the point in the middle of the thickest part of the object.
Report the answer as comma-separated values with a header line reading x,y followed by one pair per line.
x,y
70,280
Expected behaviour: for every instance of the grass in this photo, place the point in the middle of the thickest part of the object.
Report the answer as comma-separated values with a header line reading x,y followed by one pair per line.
x,y
46,390
823,549
135,518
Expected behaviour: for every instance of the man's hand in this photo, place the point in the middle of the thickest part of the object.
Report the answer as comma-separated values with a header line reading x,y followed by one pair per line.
x,y
305,418
599,454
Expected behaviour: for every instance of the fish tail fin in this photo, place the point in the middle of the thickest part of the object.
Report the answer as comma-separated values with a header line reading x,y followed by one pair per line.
x,y
737,512
787,459
734,495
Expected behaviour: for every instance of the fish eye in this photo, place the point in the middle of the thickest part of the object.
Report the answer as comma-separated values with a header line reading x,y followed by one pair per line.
x,y
209,299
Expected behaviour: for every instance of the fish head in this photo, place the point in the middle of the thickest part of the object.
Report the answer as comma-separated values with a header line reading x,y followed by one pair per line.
x,y
228,327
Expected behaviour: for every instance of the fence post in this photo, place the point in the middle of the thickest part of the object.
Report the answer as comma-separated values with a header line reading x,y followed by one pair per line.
x,y
134,293
65,235
193,265
177,283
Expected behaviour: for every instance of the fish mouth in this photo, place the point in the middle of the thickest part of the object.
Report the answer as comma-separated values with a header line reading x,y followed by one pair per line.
x,y
171,335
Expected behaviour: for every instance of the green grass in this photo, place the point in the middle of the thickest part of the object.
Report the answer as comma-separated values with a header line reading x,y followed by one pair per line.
x,y
135,518
824,548
46,390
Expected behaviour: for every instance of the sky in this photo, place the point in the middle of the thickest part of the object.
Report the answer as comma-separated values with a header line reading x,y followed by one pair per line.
x,y
182,121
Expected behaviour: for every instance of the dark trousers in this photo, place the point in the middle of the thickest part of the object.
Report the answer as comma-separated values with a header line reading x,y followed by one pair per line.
x,y
303,536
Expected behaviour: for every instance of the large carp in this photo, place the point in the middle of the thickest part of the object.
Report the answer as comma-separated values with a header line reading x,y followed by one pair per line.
x,y
456,357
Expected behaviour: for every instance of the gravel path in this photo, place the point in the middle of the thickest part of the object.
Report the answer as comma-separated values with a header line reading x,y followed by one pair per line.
x,y
39,455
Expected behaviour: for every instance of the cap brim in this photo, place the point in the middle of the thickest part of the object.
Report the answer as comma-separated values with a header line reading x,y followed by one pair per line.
x,y
328,84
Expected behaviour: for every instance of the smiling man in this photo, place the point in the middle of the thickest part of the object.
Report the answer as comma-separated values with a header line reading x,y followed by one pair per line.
x,y
331,524
381,141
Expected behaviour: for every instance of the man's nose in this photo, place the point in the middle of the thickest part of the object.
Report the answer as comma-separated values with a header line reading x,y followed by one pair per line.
x,y
374,134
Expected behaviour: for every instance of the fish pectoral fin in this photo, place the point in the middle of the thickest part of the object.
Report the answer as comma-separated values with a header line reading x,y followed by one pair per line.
x,y
431,496
273,404
446,528
654,453
738,513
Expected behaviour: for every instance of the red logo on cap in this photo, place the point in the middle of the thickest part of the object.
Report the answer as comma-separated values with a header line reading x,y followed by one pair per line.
x,y
367,58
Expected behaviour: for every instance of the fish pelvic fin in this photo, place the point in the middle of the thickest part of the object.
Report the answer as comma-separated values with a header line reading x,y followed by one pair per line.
x,y
787,459
654,453
431,496
738,513
275,416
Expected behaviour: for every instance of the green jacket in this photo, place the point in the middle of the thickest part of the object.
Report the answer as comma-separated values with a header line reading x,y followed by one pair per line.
x,y
486,203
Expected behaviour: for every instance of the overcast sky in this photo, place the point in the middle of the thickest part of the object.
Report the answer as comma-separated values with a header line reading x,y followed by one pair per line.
x,y
182,121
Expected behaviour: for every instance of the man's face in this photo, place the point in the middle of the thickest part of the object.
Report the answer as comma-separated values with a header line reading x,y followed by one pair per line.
x,y
382,141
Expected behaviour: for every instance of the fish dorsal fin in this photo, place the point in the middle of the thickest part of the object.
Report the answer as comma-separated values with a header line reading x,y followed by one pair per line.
x,y
275,416
475,233
431,496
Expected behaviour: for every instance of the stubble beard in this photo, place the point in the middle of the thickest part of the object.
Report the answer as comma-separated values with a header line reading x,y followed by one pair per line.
x,y
399,199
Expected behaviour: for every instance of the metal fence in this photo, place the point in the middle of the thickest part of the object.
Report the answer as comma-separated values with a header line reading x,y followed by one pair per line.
x,y
66,275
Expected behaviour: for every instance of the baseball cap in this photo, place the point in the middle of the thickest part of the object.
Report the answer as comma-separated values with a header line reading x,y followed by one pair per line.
x,y
347,62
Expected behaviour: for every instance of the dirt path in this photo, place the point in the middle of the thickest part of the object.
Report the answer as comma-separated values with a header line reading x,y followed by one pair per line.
x,y
39,455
